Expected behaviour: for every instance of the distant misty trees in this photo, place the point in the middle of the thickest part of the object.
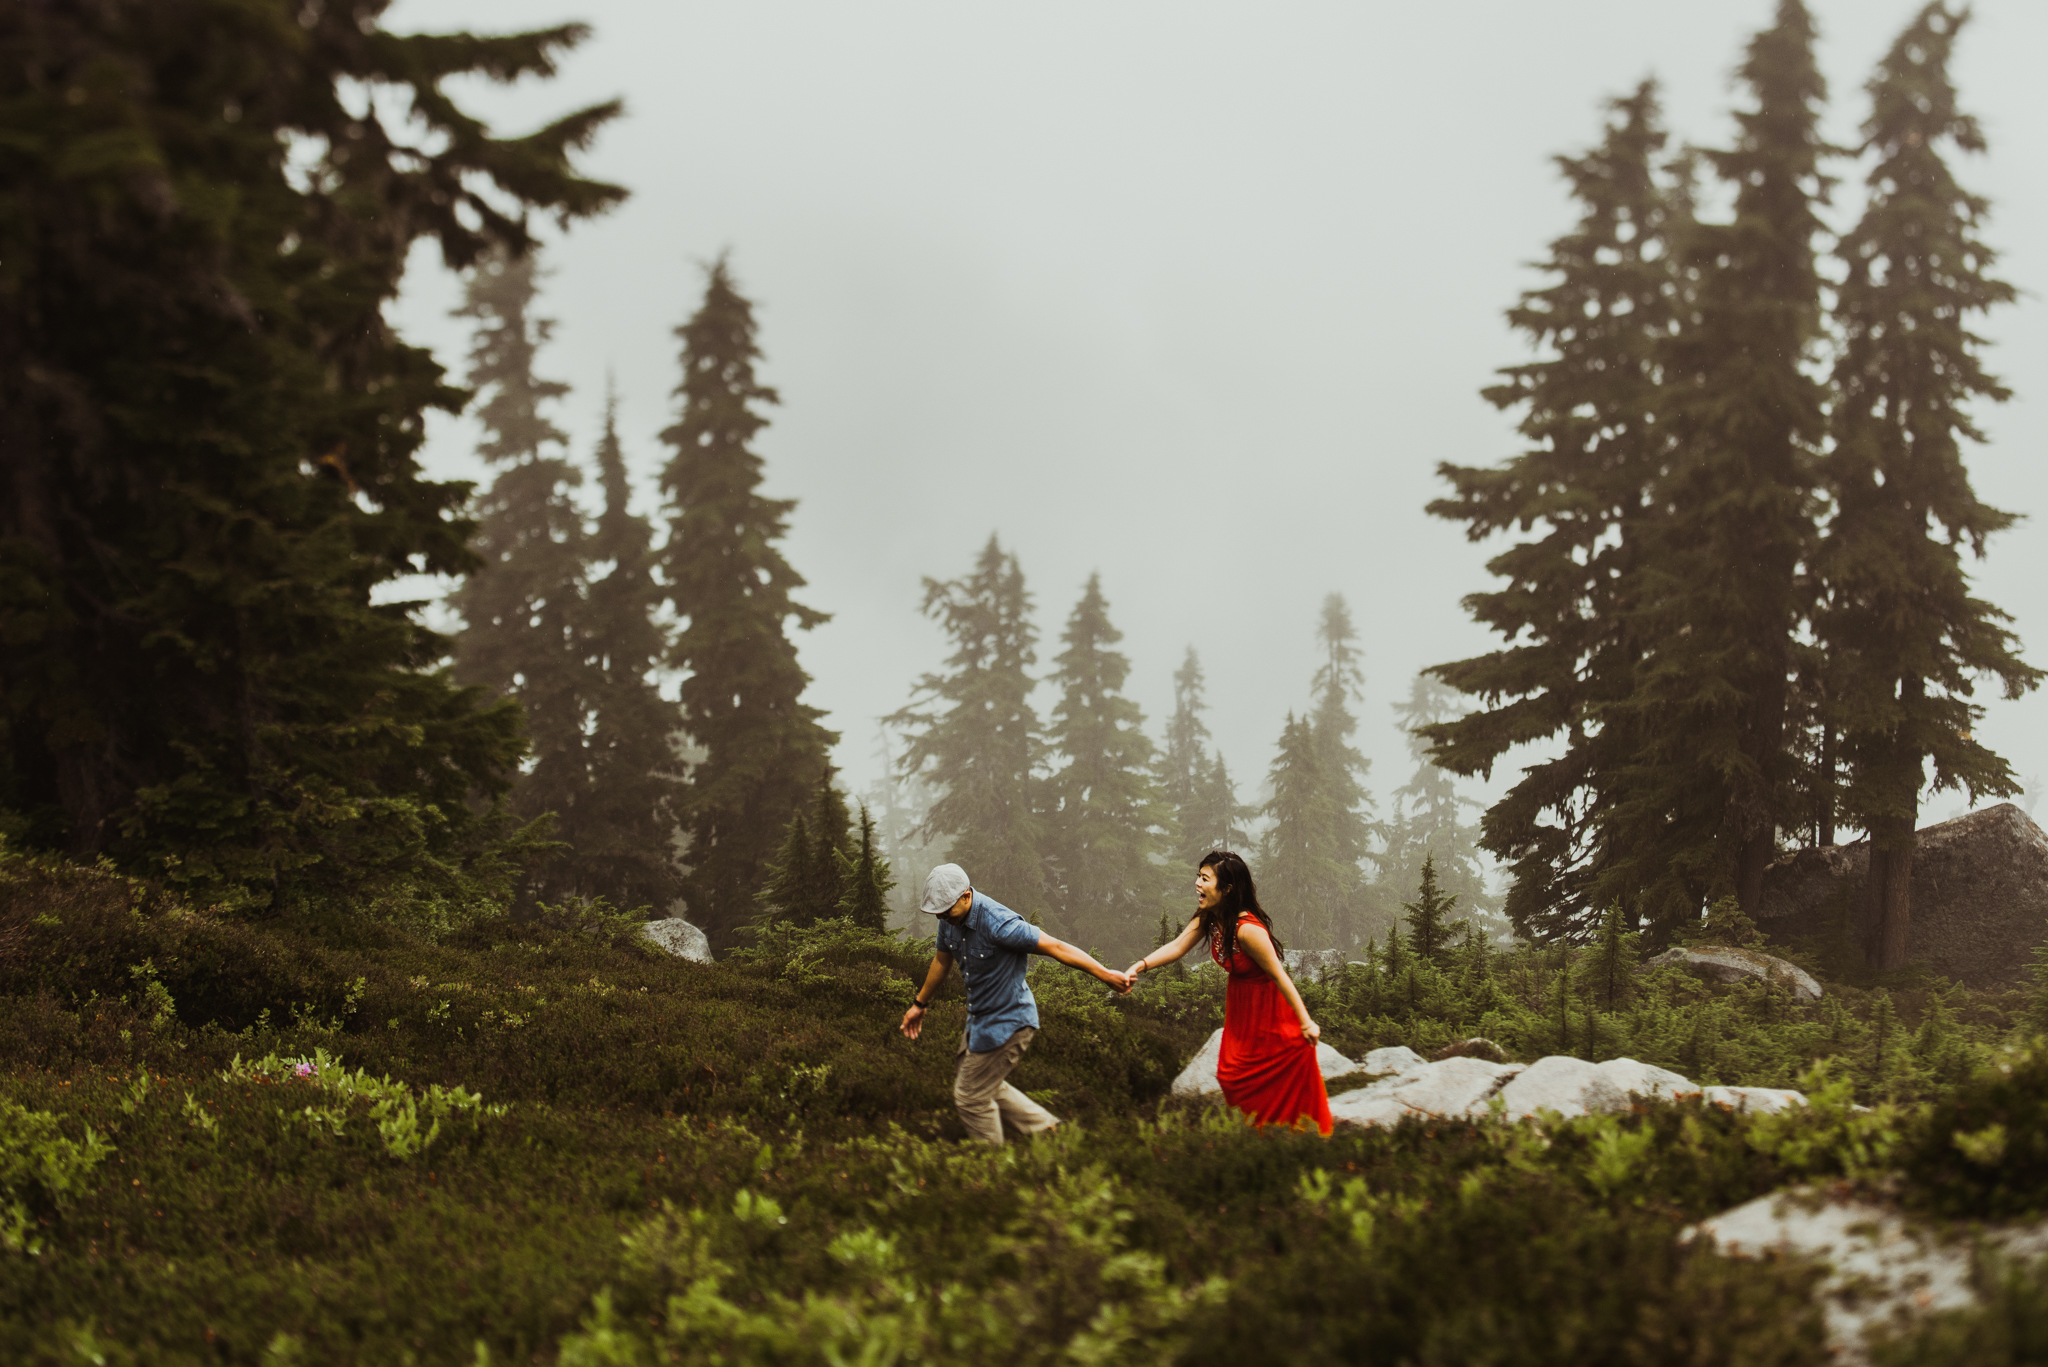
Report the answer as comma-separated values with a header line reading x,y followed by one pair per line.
x,y
1081,821
1738,612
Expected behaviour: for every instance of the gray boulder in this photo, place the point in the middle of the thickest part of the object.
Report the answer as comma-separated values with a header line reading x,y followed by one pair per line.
x,y
1199,1077
679,938
1980,895
1729,964
1567,1087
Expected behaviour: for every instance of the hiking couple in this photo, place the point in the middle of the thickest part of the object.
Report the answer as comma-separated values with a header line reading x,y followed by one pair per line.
x,y
1267,1067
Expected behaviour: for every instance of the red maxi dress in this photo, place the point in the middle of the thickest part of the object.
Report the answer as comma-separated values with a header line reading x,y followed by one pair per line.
x,y
1267,1066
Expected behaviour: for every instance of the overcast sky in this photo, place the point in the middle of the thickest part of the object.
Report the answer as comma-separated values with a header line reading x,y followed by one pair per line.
x,y
1193,295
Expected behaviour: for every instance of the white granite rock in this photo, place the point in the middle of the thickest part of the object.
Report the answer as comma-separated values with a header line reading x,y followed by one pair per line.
x,y
1455,1087
679,938
1647,1080
1567,1086
1199,1077
1885,1271
1395,1058
1762,1100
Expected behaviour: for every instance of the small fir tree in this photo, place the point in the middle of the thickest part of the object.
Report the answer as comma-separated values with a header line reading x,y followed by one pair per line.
x,y
1429,916
742,693
867,879
1428,817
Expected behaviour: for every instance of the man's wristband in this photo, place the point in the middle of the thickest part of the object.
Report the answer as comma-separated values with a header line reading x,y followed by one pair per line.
x,y
918,1005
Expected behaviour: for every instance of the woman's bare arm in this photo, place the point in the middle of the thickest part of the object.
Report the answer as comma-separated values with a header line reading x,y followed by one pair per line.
x,y
1257,943
1171,950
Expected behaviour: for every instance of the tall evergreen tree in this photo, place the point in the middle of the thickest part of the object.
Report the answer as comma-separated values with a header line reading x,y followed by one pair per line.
x,y
523,608
1184,758
623,830
764,749
1195,783
1303,879
1904,636
1103,813
1337,683
1321,830
973,735
209,435
1427,824
1567,613
1716,768
807,880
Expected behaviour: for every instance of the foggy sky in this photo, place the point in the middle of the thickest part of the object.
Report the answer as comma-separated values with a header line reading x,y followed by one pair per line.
x,y
1194,295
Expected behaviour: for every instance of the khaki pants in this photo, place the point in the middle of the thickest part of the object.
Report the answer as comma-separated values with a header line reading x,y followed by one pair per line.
x,y
986,1099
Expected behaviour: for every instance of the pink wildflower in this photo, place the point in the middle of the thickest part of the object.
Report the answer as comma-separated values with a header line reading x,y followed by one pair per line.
x,y
303,1070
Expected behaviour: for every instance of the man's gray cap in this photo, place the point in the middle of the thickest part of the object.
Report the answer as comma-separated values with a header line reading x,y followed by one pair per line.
x,y
942,888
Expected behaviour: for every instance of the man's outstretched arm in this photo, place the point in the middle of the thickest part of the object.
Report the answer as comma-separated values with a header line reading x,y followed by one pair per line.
x,y
1083,960
913,1019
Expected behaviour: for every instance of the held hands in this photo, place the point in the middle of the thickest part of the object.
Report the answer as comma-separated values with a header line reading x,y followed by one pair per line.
x,y
1120,981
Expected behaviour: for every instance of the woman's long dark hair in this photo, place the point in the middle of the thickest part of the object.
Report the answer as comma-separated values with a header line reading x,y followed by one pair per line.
x,y
1239,895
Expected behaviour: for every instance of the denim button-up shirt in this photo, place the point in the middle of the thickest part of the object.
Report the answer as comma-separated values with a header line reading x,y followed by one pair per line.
x,y
990,944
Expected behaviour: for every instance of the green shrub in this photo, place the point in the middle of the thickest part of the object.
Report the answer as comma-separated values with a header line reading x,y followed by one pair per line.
x,y
1981,1151
40,1170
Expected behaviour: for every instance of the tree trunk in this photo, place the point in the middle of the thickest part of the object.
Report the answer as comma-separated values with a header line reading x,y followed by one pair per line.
x,y
1888,893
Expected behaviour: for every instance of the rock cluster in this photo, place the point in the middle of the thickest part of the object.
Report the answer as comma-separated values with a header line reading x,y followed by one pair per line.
x,y
1466,1087
679,938
1980,895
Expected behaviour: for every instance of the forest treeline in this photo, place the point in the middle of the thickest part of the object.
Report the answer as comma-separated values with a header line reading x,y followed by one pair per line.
x,y
1735,613
1075,816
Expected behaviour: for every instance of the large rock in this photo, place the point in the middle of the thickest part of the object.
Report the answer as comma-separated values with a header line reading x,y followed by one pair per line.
x,y
1647,1080
1884,1270
1565,1086
1199,1077
1394,1058
1980,895
1456,1087
679,938
1729,964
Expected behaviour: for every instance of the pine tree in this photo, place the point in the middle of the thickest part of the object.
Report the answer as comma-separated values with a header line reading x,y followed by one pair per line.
x,y
1427,820
785,893
831,830
523,608
764,748
1715,769
1429,916
1184,762
1617,955
1338,680
1905,638
867,879
209,439
973,735
1320,831
1103,814
623,828
1301,878
1566,612
807,880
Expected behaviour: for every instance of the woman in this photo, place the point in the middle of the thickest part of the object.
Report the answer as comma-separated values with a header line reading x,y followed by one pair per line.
x,y
1268,1065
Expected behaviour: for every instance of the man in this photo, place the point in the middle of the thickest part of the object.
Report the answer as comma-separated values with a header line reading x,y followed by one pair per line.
x,y
990,942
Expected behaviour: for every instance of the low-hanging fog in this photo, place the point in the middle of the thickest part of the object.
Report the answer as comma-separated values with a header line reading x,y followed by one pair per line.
x,y
1194,295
